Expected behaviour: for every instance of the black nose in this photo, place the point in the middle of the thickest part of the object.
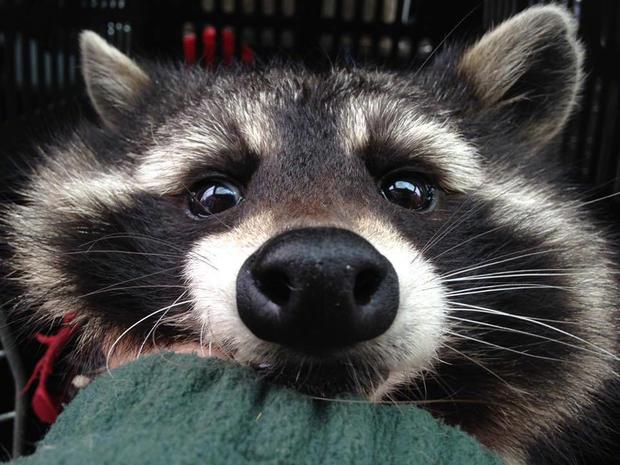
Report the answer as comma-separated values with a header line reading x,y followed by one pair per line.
x,y
316,289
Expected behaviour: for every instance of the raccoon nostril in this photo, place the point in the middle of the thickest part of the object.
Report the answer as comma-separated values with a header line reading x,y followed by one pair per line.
x,y
366,284
275,285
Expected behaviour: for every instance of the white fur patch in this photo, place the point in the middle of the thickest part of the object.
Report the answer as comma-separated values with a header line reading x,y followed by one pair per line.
x,y
185,147
164,166
433,141
411,343
211,272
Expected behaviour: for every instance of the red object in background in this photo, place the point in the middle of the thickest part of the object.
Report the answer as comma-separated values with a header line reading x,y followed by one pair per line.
x,y
210,47
247,55
189,47
45,405
209,37
228,45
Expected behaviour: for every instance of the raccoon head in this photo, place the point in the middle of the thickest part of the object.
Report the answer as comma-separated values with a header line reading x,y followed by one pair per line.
x,y
395,234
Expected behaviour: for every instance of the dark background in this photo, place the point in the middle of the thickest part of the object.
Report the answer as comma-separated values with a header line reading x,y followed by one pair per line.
x,y
41,89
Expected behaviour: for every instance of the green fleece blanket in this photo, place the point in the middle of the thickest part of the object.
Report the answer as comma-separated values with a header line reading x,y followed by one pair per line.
x,y
179,409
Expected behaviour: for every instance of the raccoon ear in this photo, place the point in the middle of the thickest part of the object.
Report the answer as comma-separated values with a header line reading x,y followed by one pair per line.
x,y
530,65
113,80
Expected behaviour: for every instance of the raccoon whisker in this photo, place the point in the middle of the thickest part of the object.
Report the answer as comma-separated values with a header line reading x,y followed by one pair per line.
x,y
358,385
504,275
531,270
122,252
201,339
124,333
483,366
546,320
496,346
501,288
461,244
152,239
145,286
493,258
476,308
401,402
125,235
493,262
152,330
435,239
299,368
10,274
209,327
450,391
444,40
423,381
372,373
449,226
583,204
446,224
137,278
517,331
210,348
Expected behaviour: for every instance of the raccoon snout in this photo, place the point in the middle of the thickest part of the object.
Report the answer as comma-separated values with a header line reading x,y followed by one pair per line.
x,y
317,289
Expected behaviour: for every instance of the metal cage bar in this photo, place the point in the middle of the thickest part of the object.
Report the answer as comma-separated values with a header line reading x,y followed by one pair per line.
x,y
18,415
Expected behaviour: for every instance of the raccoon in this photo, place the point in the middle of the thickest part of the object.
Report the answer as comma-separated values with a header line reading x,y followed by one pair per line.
x,y
404,236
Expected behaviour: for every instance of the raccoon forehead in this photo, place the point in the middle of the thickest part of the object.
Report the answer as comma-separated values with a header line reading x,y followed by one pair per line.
x,y
433,141
253,124
197,141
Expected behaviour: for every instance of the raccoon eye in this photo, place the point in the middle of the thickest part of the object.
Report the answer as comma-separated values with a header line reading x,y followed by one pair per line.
x,y
213,196
409,190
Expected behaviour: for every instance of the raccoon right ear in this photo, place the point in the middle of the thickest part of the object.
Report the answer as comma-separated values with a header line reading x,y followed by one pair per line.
x,y
530,66
113,80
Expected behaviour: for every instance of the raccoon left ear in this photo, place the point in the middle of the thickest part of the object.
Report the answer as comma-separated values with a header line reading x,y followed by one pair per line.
x,y
530,65
113,80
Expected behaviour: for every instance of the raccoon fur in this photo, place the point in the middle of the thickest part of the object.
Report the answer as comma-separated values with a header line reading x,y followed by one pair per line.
x,y
402,235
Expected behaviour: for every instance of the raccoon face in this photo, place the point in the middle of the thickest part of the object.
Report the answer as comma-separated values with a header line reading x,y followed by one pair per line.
x,y
397,235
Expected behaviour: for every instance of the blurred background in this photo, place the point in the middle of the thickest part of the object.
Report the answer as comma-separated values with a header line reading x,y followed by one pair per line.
x,y
41,88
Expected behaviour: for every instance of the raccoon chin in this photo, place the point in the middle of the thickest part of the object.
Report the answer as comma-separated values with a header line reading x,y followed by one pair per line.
x,y
324,380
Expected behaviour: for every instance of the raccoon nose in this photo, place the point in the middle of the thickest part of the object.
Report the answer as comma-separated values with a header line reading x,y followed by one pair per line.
x,y
317,289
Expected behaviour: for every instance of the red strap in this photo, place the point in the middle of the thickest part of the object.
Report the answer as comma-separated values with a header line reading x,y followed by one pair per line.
x,y
45,405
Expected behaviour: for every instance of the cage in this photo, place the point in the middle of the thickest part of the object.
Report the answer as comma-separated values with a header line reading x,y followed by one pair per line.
x,y
40,82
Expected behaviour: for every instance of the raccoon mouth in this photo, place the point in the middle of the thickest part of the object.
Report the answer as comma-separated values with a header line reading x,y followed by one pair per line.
x,y
322,379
